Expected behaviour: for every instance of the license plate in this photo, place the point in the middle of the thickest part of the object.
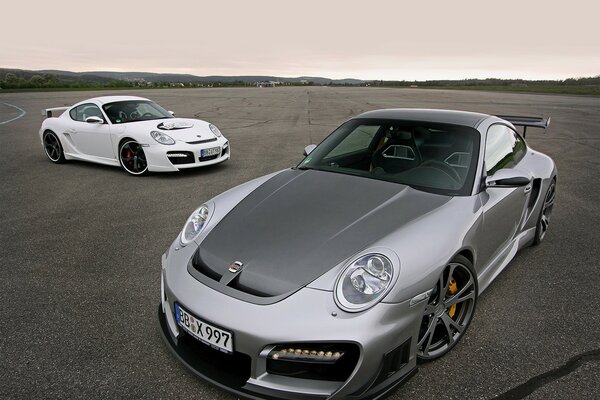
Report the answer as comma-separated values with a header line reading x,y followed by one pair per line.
x,y
216,338
210,152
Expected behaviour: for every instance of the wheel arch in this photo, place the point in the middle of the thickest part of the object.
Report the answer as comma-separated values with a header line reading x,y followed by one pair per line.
x,y
468,254
123,140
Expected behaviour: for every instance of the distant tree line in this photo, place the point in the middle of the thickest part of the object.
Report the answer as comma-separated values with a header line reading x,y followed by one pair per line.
x,y
491,82
15,80
50,81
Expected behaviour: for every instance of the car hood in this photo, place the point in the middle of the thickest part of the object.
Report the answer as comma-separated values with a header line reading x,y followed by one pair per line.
x,y
182,129
300,224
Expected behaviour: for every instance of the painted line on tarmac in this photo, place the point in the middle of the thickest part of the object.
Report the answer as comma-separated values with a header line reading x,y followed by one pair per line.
x,y
23,113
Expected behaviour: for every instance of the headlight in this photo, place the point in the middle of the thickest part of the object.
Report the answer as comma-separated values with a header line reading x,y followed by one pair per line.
x,y
194,224
215,130
162,138
364,282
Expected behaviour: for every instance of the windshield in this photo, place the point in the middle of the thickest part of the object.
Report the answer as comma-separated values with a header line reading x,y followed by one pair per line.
x,y
438,158
120,112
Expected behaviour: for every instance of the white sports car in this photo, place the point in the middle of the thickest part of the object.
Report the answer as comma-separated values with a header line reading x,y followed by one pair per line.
x,y
132,132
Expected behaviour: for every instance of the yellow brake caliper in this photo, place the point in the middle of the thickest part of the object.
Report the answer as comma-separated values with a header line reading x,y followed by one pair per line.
x,y
452,290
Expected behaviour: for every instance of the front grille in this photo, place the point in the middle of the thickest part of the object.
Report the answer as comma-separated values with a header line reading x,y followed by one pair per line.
x,y
208,158
230,369
316,367
224,151
393,362
180,157
202,141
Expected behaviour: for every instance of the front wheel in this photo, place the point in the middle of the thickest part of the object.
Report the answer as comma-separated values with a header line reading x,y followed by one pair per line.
x,y
53,148
544,218
133,158
449,310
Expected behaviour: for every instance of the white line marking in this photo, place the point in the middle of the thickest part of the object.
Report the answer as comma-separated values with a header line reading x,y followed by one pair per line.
x,y
23,112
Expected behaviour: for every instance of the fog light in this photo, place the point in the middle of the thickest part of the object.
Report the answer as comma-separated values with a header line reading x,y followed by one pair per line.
x,y
304,354
177,155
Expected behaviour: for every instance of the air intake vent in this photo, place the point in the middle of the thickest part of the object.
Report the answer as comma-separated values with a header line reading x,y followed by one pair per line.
x,y
202,141
180,157
204,269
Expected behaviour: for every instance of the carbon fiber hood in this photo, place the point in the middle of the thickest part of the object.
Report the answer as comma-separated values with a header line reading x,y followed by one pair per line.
x,y
299,224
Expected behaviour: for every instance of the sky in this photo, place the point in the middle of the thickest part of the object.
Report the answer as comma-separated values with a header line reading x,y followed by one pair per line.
x,y
374,39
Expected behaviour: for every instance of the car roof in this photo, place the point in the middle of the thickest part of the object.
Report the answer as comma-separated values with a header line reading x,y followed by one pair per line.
x,y
111,99
465,118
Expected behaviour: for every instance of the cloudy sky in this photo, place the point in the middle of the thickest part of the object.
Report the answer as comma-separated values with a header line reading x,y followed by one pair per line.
x,y
369,39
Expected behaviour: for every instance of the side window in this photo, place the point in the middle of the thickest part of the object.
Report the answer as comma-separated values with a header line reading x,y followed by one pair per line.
x,y
80,113
504,148
359,139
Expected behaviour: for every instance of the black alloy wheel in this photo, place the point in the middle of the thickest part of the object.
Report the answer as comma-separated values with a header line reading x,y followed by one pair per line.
x,y
132,157
53,148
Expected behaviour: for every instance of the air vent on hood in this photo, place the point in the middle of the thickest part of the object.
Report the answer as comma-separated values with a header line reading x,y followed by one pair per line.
x,y
204,269
173,125
202,141
232,281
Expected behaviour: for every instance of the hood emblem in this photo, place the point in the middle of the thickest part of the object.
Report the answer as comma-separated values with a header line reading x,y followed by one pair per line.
x,y
236,267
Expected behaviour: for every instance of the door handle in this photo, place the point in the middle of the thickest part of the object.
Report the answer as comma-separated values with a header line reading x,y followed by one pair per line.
x,y
528,188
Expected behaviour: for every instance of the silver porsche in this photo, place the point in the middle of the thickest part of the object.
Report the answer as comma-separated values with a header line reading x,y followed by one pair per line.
x,y
332,279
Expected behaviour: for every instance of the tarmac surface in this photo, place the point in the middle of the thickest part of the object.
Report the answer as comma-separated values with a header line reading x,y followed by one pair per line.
x,y
81,246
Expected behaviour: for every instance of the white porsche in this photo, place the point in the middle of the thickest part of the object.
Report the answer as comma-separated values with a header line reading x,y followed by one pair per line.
x,y
132,132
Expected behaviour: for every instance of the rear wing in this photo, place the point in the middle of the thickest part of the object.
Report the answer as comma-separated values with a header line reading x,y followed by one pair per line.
x,y
525,122
47,112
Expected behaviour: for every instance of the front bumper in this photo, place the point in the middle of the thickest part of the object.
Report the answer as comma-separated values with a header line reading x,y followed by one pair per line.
x,y
160,157
308,316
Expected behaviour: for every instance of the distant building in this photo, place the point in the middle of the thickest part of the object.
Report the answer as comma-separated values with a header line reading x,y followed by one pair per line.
x,y
267,83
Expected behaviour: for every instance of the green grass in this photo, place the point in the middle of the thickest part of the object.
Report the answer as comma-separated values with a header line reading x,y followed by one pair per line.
x,y
593,90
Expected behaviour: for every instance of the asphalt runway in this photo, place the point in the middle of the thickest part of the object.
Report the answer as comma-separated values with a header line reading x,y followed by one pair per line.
x,y
81,246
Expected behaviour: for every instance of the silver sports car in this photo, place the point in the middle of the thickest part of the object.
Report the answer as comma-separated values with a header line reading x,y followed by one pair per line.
x,y
330,279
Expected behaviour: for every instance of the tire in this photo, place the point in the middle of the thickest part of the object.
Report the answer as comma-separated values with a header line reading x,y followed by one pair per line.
x,y
543,221
449,310
133,158
53,148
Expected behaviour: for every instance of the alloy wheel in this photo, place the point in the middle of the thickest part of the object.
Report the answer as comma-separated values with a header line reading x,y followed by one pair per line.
x,y
133,158
448,312
547,211
52,147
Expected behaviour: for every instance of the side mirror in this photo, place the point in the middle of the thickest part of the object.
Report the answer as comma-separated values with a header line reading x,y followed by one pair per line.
x,y
172,113
507,178
94,120
308,149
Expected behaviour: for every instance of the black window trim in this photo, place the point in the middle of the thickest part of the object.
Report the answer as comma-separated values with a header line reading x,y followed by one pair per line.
x,y
74,108
519,136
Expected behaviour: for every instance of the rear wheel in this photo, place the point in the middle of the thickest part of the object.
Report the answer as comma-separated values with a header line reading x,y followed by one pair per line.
x,y
53,148
449,310
544,218
133,158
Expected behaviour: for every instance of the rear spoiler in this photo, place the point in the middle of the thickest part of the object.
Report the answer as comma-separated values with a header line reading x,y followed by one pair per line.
x,y
534,122
48,111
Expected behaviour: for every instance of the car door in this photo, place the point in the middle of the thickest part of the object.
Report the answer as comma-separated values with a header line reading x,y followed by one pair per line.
x,y
503,208
90,138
